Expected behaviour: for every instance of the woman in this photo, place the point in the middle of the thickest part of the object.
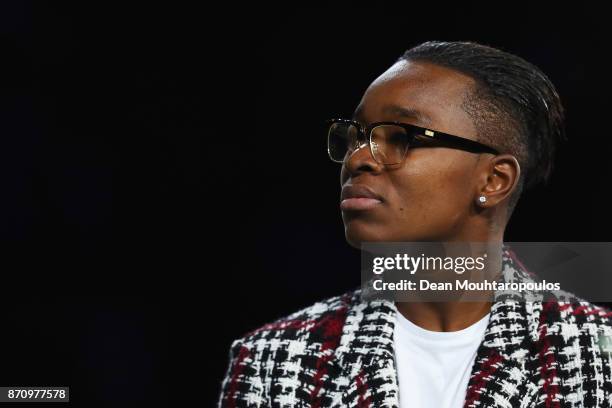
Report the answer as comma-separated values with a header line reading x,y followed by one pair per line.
x,y
438,150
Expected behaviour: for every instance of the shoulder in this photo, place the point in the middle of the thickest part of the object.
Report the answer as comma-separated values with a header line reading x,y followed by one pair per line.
x,y
557,312
303,340
571,319
305,335
567,308
307,324
585,315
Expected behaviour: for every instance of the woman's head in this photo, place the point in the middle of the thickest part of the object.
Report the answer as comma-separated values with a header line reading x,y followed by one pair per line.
x,y
463,89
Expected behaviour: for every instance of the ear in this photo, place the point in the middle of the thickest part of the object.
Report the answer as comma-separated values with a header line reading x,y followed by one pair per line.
x,y
500,177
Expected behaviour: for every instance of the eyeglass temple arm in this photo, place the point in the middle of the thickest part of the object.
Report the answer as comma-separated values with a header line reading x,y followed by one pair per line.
x,y
455,141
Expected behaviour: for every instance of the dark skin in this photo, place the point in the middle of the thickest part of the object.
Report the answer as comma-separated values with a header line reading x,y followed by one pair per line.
x,y
432,195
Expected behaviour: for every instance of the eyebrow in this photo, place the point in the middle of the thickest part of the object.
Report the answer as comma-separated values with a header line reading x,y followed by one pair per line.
x,y
409,113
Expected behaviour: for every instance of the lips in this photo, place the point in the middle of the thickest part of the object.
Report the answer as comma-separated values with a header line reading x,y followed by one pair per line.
x,y
359,197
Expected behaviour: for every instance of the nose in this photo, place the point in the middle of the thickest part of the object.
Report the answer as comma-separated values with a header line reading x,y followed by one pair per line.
x,y
360,160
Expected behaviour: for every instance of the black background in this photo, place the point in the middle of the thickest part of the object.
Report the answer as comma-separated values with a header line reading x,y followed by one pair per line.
x,y
165,185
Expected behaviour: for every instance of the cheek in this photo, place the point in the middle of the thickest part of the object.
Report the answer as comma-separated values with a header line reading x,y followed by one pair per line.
x,y
433,189
343,175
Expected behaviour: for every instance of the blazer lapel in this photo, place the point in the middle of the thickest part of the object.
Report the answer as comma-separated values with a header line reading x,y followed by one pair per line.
x,y
498,377
499,374
366,356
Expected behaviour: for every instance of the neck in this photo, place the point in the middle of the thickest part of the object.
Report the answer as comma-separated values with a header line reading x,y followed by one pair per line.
x,y
452,315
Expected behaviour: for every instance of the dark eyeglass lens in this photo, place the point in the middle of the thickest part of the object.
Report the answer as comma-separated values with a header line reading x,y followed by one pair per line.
x,y
389,144
341,139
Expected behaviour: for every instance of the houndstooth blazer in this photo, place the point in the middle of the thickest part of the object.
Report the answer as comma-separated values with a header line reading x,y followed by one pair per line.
x,y
339,353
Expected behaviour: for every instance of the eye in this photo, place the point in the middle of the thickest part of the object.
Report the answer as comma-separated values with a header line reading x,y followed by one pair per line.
x,y
396,137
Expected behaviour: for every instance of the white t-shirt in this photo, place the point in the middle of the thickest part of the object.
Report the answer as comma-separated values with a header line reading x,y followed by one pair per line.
x,y
434,368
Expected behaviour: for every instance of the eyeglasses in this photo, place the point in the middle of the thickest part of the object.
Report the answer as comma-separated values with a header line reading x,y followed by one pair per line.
x,y
389,141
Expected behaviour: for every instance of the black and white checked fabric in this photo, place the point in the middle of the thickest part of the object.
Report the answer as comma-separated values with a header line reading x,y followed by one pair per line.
x,y
339,353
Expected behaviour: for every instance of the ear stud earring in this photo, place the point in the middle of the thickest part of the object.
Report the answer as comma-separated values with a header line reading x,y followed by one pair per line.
x,y
482,199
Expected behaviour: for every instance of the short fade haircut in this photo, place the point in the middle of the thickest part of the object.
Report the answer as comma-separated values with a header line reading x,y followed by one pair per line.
x,y
514,106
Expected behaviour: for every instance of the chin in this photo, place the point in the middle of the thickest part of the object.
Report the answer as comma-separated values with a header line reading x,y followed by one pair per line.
x,y
358,232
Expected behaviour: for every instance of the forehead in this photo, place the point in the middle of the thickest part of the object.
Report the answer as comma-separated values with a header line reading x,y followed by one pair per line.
x,y
433,93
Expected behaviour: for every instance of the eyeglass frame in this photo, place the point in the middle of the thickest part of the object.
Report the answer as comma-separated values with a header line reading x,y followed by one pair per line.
x,y
448,140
